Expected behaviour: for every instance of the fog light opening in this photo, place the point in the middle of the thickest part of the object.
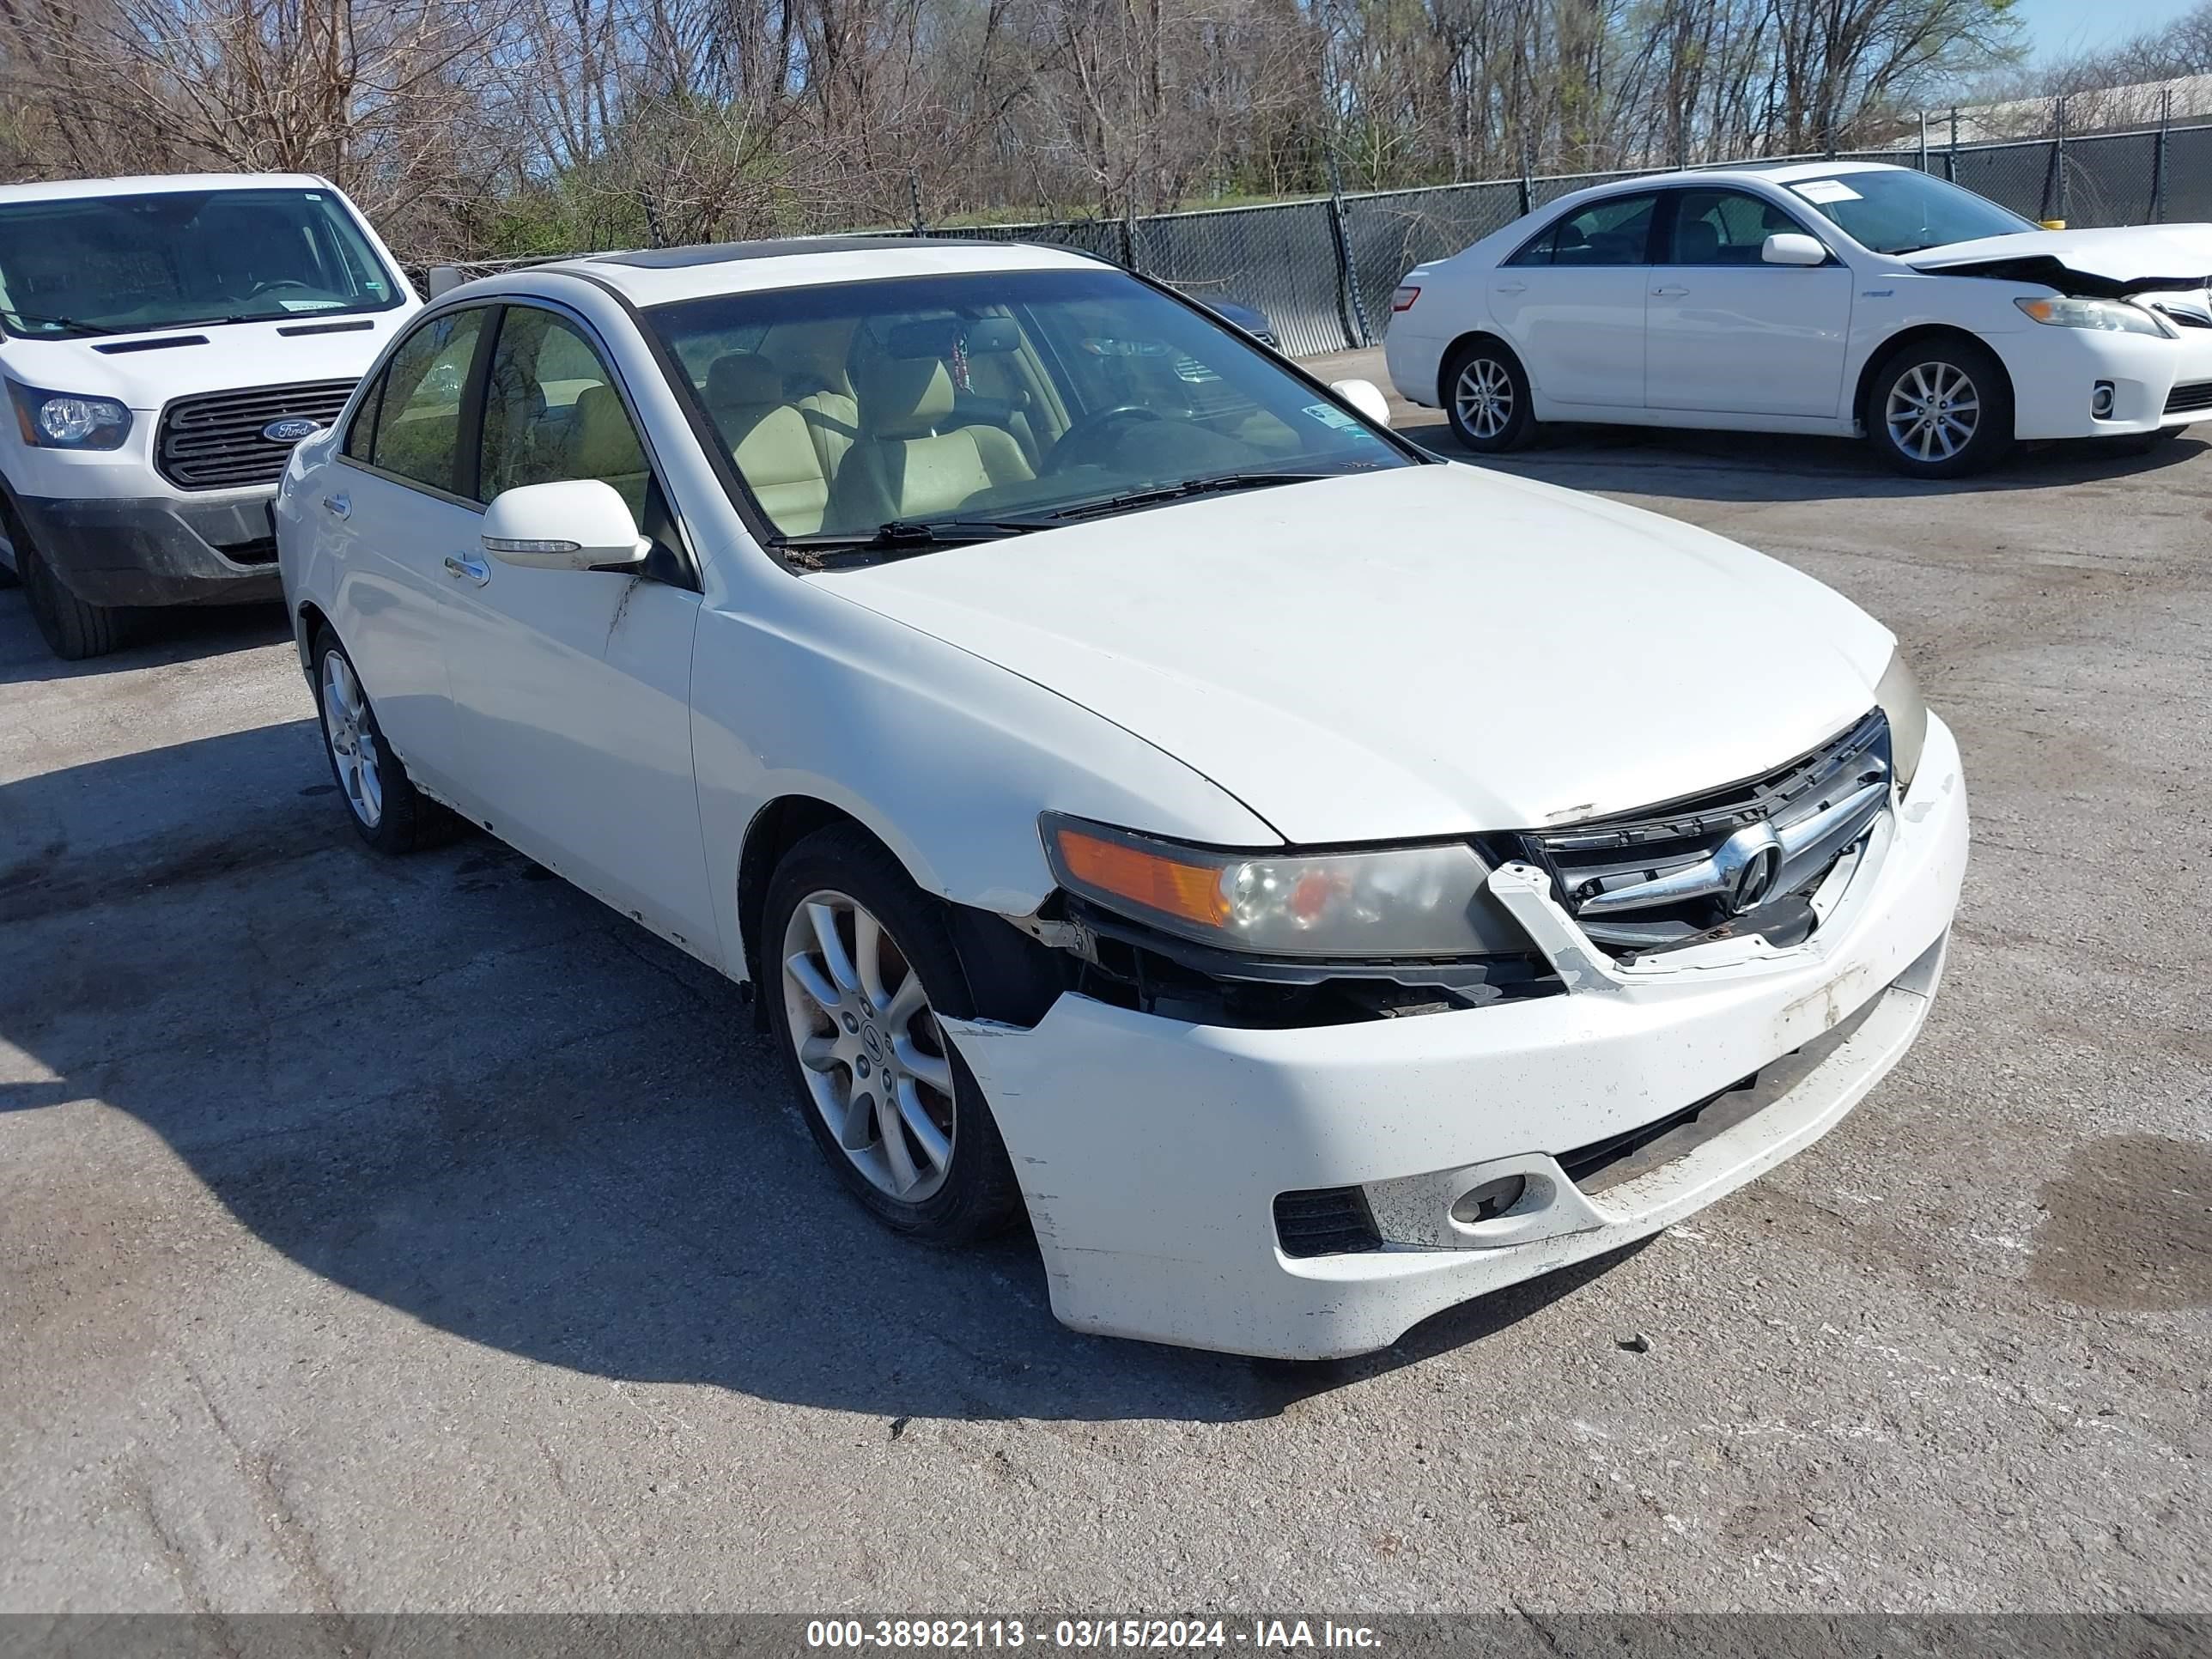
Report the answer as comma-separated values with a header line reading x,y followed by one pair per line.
x,y
2100,400
1490,1200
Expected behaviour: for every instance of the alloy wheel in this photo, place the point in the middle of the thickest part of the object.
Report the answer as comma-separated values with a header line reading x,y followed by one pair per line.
x,y
868,1045
1484,397
1934,411
353,745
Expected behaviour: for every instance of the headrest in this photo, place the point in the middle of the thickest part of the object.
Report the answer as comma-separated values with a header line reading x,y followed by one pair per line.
x,y
601,443
743,377
902,394
1695,242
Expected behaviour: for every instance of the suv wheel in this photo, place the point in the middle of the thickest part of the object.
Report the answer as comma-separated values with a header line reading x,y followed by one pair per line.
x,y
857,965
72,629
1940,409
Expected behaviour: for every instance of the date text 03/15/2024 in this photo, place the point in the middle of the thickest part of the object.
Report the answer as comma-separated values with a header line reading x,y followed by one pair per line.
x,y
1088,1634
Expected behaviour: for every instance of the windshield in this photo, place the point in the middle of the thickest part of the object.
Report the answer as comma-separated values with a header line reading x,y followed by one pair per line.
x,y
1902,212
1022,398
114,264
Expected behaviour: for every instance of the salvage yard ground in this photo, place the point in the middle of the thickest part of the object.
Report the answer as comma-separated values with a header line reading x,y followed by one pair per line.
x,y
422,1235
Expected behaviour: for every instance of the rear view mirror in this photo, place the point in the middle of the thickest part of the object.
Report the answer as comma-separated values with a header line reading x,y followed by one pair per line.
x,y
1365,396
1791,247
582,524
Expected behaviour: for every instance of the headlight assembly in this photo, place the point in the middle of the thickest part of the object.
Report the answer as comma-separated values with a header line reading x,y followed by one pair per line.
x,y
2113,316
67,420
1399,902
1899,694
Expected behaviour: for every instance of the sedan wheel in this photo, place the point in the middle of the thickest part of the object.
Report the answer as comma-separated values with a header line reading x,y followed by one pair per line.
x,y
1940,409
354,754
1487,398
388,811
857,966
867,1044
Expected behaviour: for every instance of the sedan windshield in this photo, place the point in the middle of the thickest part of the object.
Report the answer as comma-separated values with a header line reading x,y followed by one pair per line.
x,y
1899,211
115,264
908,414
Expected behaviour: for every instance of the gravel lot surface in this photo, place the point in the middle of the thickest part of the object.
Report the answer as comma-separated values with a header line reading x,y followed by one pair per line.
x,y
420,1235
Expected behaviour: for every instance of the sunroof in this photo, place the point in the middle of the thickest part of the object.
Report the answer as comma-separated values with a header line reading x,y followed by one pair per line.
x,y
715,253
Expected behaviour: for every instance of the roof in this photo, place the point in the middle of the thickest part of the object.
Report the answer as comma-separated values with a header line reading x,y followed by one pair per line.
x,y
71,190
658,276
1770,173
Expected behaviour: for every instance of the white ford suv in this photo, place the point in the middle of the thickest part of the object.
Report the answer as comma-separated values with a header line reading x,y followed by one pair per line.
x,y
164,343
1319,882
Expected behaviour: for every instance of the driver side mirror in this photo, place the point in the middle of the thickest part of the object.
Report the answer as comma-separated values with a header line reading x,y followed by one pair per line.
x,y
580,524
1365,396
1793,247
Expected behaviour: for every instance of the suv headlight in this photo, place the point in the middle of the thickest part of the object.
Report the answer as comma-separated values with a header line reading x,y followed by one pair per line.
x,y
1899,695
1394,901
69,420
2114,316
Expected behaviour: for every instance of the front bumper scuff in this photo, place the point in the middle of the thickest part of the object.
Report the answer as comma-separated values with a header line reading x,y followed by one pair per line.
x,y
1150,1152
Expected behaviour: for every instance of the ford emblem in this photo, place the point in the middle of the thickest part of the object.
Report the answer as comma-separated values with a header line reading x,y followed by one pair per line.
x,y
290,431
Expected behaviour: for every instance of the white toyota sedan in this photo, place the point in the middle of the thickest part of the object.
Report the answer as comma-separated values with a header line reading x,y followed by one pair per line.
x,y
1319,883
1817,297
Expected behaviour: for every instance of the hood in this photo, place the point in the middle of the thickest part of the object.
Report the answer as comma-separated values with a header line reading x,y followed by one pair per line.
x,y
1432,650
147,371
2092,263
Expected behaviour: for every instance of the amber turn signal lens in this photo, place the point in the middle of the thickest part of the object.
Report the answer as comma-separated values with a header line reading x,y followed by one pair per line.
x,y
1192,892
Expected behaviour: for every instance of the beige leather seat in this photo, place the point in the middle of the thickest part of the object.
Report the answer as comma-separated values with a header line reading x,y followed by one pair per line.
x,y
913,459
769,439
810,358
601,443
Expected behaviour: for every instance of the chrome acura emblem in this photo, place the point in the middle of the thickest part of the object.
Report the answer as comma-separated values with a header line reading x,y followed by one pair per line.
x,y
1748,864
291,430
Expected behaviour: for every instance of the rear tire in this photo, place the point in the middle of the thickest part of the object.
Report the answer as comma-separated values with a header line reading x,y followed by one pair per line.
x,y
1940,409
887,1097
1487,398
382,803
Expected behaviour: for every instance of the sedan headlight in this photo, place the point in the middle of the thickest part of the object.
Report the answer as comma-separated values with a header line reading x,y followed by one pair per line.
x,y
69,420
1899,694
2113,316
1384,902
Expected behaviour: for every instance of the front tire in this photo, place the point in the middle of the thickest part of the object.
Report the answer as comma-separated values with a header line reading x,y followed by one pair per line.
x,y
1940,409
1486,397
73,630
857,964
386,809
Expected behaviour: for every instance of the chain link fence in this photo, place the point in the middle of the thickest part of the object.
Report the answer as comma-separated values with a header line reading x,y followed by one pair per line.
x,y
1322,269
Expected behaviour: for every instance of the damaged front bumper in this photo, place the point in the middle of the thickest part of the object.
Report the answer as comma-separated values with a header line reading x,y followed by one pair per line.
x,y
2154,381
1153,1152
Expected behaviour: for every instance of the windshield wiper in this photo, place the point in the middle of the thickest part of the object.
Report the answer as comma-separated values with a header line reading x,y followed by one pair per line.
x,y
899,536
1221,483
68,323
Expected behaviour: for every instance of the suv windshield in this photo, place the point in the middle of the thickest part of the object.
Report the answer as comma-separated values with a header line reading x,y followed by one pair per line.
x,y
915,411
111,264
1902,212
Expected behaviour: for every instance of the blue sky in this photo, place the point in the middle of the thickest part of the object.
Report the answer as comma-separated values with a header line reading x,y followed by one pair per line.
x,y
2059,28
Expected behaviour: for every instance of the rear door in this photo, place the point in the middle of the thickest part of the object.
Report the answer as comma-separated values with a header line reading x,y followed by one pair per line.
x,y
1571,302
1725,330
572,689
388,513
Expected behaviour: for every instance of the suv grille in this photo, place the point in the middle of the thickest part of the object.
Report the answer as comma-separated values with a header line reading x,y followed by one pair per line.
x,y
1608,855
214,442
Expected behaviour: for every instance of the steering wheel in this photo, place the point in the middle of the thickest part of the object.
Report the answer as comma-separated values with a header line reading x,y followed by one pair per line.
x,y
260,288
1086,433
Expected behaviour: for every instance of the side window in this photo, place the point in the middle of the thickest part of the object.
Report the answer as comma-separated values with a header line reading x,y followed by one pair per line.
x,y
551,413
361,436
1724,227
418,422
1614,232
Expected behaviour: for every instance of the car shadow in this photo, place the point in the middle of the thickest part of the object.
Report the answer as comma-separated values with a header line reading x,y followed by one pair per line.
x,y
150,637
461,1087
1765,466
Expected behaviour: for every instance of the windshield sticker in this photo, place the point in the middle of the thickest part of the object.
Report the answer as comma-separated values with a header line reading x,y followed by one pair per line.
x,y
1329,415
1828,190
310,305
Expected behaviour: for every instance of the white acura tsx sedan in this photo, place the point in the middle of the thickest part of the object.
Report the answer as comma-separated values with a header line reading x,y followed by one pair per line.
x,y
1320,883
1816,297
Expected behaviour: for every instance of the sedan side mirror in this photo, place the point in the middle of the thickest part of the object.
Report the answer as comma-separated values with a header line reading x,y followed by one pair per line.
x,y
1793,247
1365,396
580,524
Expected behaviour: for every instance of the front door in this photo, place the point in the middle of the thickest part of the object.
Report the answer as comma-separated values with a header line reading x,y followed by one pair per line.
x,y
1570,303
572,689
1725,330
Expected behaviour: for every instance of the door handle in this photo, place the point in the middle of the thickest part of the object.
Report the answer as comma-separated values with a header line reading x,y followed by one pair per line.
x,y
337,506
1512,287
460,564
1669,293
